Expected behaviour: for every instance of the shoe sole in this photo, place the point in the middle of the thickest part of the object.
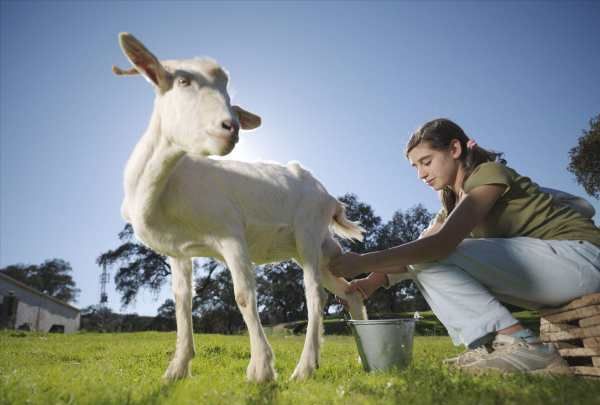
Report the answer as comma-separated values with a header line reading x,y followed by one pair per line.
x,y
559,367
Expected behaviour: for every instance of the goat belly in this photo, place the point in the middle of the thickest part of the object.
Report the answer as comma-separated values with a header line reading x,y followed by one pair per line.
x,y
270,243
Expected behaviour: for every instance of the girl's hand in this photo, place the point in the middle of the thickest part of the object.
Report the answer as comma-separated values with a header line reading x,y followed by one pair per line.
x,y
347,265
365,286
368,285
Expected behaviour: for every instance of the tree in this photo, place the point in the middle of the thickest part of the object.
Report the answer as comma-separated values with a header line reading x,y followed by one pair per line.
x,y
403,227
214,302
138,267
585,159
167,309
98,318
363,213
165,317
52,277
281,295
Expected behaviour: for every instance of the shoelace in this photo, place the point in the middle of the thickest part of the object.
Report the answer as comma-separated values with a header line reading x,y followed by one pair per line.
x,y
503,345
537,344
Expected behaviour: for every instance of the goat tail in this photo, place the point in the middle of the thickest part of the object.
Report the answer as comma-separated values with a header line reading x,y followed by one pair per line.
x,y
343,227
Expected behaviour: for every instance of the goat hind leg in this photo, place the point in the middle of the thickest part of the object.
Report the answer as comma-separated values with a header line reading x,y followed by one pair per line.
x,y
338,285
315,301
181,282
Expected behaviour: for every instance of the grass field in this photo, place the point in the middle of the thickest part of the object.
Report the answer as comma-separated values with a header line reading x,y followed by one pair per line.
x,y
126,368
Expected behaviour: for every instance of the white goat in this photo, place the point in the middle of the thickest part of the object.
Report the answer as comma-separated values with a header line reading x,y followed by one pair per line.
x,y
184,205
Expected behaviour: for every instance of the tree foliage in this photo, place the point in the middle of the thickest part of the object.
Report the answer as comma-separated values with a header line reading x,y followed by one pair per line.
x,y
214,302
167,309
585,159
98,318
362,213
138,267
281,292
52,277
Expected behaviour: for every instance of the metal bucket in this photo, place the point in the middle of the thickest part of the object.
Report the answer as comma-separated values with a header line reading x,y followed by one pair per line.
x,y
384,344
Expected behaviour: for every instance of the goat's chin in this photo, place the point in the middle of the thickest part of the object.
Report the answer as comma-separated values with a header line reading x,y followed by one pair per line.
x,y
228,148
221,146
212,148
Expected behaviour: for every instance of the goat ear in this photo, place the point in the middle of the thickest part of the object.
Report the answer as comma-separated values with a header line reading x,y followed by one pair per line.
x,y
144,61
246,118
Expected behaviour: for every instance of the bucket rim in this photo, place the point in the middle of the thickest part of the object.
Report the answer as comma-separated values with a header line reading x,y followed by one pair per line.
x,y
379,321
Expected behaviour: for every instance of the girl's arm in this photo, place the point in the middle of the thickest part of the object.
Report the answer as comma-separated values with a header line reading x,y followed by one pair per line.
x,y
470,211
432,229
368,285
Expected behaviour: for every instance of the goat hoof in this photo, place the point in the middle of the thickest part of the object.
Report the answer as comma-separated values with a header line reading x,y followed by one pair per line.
x,y
260,373
177,372
302,373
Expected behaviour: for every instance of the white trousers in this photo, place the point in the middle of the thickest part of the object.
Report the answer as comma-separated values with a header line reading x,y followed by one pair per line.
x,y
466,289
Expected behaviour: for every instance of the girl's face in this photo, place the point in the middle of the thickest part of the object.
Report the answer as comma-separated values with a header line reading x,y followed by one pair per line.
x,y
437,168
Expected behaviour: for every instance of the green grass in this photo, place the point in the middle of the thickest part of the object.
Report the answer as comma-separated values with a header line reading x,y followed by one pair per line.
x,y
126,369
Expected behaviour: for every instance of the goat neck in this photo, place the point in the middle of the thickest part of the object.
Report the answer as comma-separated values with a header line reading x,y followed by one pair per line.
x,y
147,172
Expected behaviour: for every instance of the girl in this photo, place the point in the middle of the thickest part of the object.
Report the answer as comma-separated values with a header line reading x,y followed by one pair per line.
x,y
497,238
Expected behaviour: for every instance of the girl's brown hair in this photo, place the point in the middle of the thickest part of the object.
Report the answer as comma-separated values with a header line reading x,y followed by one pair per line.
x,y
438,134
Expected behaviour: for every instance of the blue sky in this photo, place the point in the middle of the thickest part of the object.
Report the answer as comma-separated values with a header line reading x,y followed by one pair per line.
x,y
340,86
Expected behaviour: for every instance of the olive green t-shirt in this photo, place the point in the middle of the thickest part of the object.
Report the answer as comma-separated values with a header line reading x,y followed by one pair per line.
x,y
523,210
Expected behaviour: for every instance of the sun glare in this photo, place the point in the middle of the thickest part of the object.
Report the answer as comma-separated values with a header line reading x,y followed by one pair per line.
x,y
252,147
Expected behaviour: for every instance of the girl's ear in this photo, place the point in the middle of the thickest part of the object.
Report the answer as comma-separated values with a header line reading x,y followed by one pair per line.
x,y
455,148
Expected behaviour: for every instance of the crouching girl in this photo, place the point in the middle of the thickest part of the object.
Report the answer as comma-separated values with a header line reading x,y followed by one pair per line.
x,y
497,239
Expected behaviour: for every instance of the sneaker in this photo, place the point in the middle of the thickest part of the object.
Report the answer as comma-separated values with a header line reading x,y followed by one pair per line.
x,y
512,354
468,357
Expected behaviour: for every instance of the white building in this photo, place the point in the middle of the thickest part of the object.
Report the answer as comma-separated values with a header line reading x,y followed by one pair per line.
x,y
22,307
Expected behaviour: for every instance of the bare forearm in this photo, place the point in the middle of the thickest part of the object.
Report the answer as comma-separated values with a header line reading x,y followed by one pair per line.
x,y
378,279
438,242
395,260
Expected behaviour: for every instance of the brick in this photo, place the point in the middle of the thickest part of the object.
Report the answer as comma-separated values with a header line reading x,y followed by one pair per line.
x,y
591,371
580,352
565,345
591,342
556,327
577,333
574,314
585,301
594,320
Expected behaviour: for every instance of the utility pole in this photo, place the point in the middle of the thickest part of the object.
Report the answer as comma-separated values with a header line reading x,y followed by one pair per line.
x,y
103,282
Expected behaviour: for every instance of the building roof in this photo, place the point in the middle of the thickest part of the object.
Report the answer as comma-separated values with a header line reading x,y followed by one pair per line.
x,y
34,291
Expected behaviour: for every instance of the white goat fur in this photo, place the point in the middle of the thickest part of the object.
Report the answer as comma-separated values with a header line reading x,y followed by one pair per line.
x,y
184,204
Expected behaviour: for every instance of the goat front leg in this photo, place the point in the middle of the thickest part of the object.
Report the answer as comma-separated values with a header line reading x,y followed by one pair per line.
x,y
181,283
261,367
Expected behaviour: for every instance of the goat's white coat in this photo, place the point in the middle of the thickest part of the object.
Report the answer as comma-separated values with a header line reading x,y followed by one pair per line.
x,y
184,205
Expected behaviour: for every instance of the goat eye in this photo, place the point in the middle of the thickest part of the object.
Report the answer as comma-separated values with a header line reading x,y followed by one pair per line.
x,y
183,81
